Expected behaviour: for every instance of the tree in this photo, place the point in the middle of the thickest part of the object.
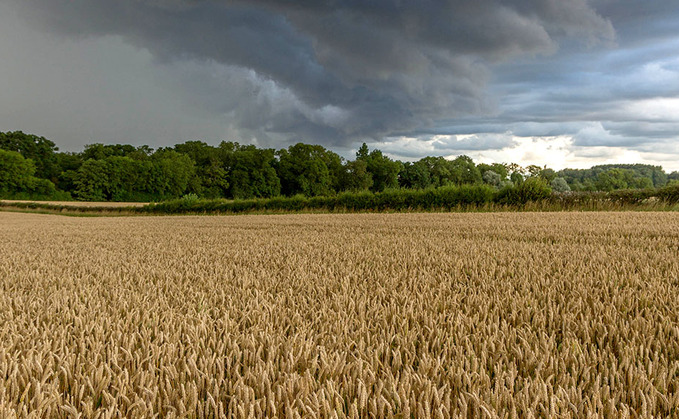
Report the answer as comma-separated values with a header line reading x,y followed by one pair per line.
x,y
614,179
39,149
515,168
499,168
210,179
384,171
624,176
464,171
492,178
415,175
547,174
127,178
16,172
559,184
516,178
250,171
356,176
531,189
170,173
363,152
91,182
440,171
533,170
98,151
303,169
641,183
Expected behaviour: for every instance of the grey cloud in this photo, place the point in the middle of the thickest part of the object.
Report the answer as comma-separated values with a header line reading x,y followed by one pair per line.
x,y
476,142
332,71
650,131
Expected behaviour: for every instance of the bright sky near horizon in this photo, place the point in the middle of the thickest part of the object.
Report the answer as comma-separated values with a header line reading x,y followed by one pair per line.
x,y
550,82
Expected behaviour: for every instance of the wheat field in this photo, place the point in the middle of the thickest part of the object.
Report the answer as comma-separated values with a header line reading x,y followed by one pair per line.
x,y
358,315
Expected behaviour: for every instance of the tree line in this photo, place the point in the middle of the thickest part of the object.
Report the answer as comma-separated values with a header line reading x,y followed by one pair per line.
x,y
32,167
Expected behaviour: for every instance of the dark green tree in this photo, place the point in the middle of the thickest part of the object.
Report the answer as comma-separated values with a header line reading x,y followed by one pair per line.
x,y
303,169
464,171
384,171
98,151
39,149
16,172
91,182
415,175
210,179
356,177
547,174
170,173
614,179
251,171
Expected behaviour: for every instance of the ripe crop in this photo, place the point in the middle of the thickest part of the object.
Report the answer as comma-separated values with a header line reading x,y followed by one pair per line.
x,y
379,315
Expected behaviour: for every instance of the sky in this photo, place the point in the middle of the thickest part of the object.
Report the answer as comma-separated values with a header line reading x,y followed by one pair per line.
x,y
562,83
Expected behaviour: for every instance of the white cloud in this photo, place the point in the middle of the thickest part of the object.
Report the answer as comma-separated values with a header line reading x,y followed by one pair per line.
x,y
556,152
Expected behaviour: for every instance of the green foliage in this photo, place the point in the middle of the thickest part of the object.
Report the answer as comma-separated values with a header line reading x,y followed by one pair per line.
x,y
38,149
549,175
441,172
210,177
533,189
492,178
250,171
122,172
310,170
100,151
615,176
191,198
415,175
383,170
91,183
16,172
498,168
516,178
356,176
559,184
614,179
449,197
464,171
165,175
17,180
170,173
669,194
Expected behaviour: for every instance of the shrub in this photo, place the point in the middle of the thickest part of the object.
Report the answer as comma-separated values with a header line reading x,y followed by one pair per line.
x,y
559,184
532,189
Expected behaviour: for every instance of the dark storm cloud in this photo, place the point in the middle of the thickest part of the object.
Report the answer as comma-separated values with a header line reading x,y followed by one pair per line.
x,y
625,97
334,71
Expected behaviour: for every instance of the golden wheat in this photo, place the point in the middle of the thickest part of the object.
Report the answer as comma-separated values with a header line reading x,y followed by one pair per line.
x,y
372,315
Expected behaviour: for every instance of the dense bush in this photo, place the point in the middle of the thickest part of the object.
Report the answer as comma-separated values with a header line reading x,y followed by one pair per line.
x,y
532,189
448,197
669,194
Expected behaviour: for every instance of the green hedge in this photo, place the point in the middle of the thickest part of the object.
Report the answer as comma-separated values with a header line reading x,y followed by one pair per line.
x,y
465,197
530,190
530,194
445,198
